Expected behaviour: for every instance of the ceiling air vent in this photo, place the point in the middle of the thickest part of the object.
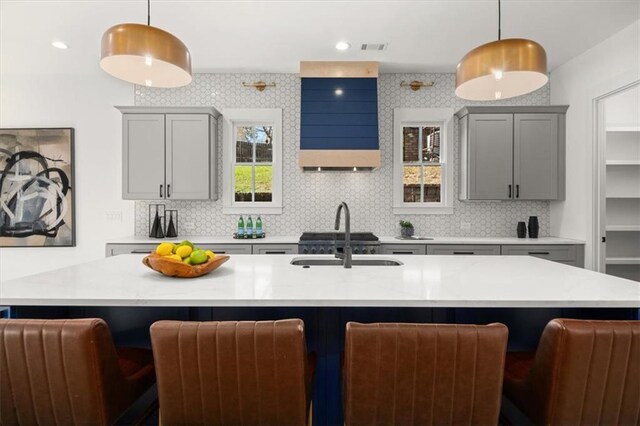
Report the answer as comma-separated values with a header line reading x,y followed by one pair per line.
x,y
373,46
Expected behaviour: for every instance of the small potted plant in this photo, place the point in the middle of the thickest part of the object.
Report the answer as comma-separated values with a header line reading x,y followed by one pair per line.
x,y
406,229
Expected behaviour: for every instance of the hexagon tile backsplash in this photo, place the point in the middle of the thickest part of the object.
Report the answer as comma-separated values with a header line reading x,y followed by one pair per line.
x,y
310,199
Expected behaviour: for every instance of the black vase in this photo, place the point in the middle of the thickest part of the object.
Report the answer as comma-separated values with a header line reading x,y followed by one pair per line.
x,y
534,227
522,230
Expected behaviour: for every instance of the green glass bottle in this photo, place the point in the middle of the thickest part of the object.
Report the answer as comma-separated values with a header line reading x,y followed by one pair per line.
x,y
259,230
249,229
240,231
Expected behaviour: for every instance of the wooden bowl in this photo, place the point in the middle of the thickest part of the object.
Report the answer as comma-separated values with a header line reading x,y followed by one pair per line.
x,y
173,268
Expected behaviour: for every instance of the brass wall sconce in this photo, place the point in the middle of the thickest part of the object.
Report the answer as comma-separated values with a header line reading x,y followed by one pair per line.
x,y
416,85
259,85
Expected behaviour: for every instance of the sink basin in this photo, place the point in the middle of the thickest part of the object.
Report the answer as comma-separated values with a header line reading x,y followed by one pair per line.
x,y
327,261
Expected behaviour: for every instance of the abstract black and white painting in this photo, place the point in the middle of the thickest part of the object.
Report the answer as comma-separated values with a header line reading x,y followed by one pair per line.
x,y
36,188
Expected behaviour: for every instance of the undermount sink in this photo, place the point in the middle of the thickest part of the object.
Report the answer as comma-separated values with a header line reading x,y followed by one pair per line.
x,y
326,261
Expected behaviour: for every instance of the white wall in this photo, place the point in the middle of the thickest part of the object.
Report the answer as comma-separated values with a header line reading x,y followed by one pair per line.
x,y
599,70
85,102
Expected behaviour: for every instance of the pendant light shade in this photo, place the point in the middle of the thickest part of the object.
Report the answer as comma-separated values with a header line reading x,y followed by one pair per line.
x,y
145,55
501,69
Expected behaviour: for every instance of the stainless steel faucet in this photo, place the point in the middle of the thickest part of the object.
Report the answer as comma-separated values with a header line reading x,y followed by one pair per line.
x,y
347,255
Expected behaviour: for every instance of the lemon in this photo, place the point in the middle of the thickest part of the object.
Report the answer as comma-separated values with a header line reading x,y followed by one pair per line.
x,y
164,249
187,243
174,257
198,257
210,254
184,251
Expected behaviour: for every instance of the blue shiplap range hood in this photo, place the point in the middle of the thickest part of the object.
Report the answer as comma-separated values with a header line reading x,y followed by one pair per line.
x,y
339,116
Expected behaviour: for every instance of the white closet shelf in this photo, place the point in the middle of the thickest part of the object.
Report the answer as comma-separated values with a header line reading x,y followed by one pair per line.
x,y
623,260
623,129
623,162
623,228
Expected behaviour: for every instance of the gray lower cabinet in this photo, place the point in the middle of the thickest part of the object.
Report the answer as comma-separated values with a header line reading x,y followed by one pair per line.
x,y
169,153
403,249
227,248
275,249
463,249
512,153
117,249
567,254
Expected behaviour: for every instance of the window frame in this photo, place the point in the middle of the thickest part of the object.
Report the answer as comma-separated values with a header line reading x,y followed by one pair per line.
x,y
422,117
240,117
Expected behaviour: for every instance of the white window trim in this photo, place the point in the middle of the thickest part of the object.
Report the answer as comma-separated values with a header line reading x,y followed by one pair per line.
x,y
407,116
251,116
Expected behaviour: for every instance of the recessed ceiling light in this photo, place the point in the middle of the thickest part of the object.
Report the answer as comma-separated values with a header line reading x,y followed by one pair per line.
x,y
342,45
60,45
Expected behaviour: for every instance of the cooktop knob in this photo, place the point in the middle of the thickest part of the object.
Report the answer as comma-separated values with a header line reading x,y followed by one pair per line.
x,y
305,251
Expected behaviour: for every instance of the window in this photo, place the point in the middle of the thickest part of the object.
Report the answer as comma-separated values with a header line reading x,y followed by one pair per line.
x,y
252,158
423,151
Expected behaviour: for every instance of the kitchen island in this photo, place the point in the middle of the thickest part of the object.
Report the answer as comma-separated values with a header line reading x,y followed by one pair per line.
x,y
521,291
270,280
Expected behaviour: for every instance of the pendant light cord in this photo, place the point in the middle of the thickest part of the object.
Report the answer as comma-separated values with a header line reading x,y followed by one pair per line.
x,y
149,12
499,21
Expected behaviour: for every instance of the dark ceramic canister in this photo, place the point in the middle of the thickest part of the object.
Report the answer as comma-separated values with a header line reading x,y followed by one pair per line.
x,y
534,227
522,230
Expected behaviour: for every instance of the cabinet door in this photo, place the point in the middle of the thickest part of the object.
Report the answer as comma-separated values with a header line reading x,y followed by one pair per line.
x,y
275,249
490,156
535,158
143,156
188,155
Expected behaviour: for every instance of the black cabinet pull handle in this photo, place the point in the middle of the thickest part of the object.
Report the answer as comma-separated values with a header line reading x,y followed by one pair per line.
x,y
161,190
539,252
518,191
141,251
168,191
402,252
275,252
221,252
463,252
509,190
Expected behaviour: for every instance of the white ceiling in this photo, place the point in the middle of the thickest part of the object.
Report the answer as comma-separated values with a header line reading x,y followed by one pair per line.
x,y
273,36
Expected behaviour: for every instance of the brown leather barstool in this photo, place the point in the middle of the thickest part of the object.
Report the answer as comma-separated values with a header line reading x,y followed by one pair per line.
x,y
67,372
224,373
423,374
583,373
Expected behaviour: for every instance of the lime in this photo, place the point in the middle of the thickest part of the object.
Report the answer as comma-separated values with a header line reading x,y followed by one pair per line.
x,y
187,243
198,257
164,249
187,260
184,251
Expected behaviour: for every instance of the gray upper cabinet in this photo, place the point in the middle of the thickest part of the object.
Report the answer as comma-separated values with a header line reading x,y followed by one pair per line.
x,y
490,156
512,153
169,153
143,156
535,156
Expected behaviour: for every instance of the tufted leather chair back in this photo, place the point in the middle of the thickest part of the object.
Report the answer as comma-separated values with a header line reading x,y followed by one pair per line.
x,y
423,374
224,373
60,372
583,373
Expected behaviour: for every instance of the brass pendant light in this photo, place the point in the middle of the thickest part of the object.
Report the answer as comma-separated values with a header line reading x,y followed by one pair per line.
x,y
145,55
501,69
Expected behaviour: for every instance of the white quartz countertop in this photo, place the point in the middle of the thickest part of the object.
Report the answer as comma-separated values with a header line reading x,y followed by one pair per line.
x,y
201,239
480,240
270,280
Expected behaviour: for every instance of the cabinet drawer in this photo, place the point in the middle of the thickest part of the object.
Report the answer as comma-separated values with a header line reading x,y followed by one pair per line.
x,y
117,249
402,249
227,248
448,250
275,249
556,252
